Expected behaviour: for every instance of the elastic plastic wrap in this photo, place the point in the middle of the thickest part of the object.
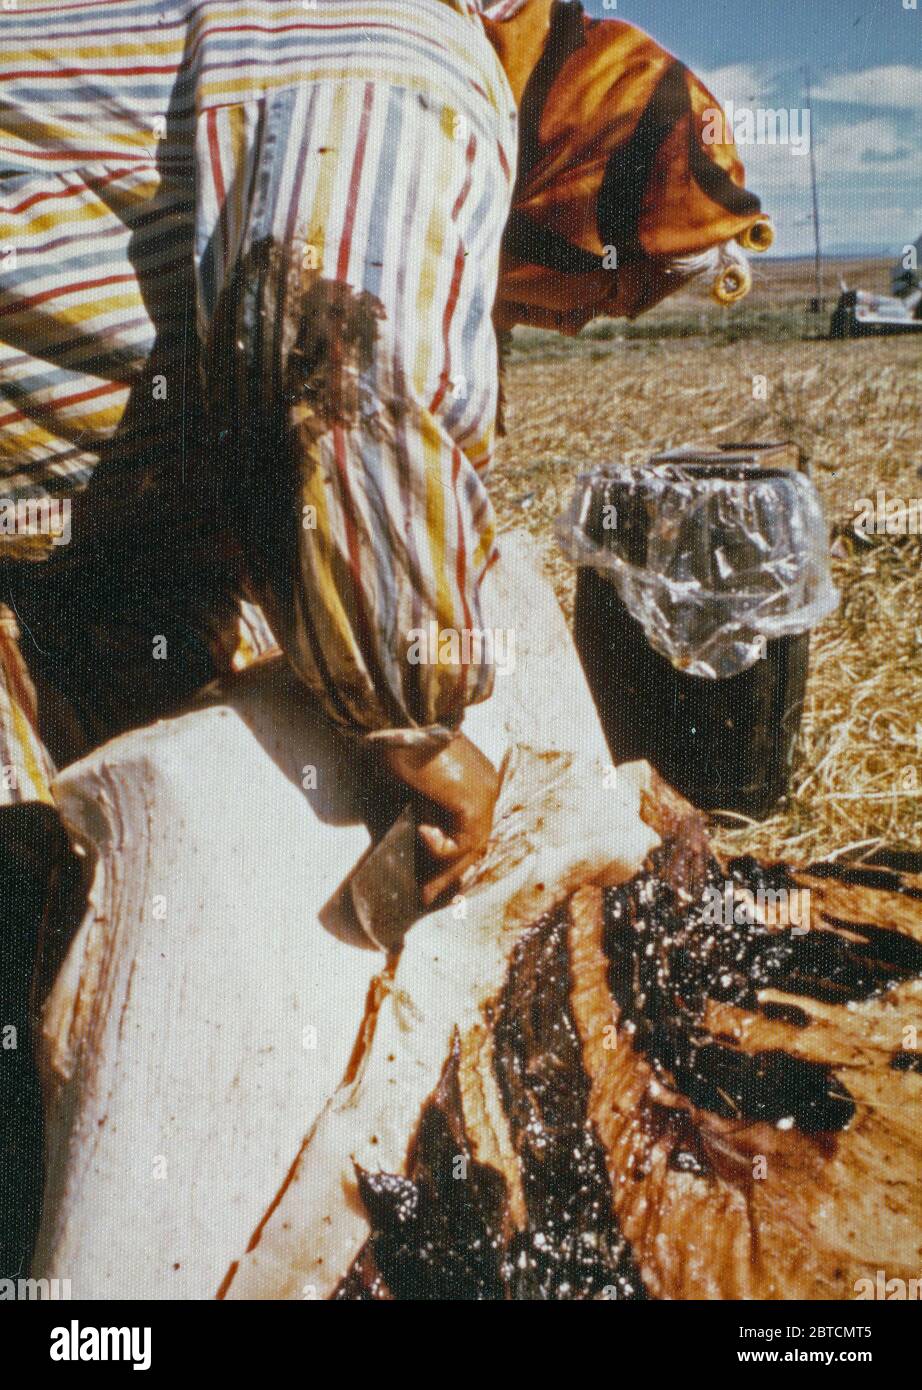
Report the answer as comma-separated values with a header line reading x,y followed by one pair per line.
x,y
709,565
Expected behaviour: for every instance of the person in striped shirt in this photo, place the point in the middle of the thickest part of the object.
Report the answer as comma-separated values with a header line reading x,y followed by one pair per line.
x,y
306,201
250,254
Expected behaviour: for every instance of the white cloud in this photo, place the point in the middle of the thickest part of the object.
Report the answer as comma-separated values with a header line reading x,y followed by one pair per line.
x,y
869,174
898,85
864,156
856,221
743,83
771,168
876,148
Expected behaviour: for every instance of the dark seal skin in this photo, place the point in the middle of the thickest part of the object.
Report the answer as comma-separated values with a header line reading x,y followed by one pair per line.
x,y
665,963
434,1237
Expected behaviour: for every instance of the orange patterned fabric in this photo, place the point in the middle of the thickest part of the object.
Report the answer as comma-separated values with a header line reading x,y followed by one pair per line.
x,y
613,156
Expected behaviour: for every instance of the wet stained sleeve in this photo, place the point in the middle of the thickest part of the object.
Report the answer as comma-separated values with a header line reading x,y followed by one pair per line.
x,y
396,533
369,526
379,612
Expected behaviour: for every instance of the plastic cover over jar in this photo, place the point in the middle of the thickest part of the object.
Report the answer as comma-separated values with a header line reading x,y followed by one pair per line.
x,y
712,563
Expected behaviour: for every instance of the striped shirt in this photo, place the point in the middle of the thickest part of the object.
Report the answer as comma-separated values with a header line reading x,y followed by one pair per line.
x,y
147,150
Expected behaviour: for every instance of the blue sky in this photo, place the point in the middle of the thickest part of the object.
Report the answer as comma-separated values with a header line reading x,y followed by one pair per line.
x,y
866,122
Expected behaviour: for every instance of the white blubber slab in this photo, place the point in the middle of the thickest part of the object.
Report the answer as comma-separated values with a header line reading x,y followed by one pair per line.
x,y
203,1017
203,1014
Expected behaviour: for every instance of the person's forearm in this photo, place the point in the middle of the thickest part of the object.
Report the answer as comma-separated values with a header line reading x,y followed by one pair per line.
x,y
457,788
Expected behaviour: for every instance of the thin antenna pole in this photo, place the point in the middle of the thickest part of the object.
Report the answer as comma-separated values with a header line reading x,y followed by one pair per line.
x,y
816,306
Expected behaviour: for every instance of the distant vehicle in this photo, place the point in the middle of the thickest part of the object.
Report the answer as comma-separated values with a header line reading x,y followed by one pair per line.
x,y
861,314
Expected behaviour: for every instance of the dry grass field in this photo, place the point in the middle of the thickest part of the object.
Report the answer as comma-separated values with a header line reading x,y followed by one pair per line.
x,y
856,410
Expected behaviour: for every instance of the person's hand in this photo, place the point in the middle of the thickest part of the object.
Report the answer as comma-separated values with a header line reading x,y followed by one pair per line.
x,y
458,787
